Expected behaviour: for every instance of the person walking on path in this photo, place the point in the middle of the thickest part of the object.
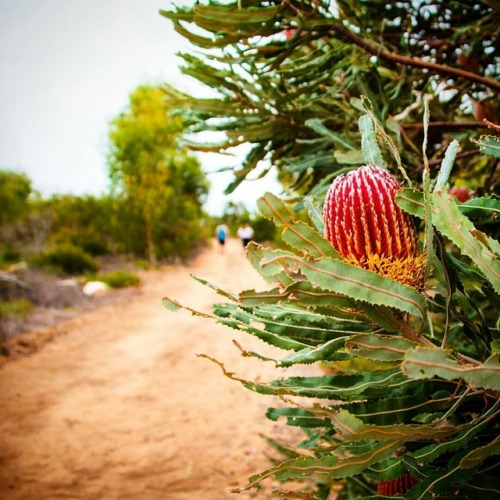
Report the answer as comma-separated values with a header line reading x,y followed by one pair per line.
x,y
221,233
245,232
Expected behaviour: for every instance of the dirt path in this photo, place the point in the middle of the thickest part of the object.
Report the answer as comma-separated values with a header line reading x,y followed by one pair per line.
x,y
120,407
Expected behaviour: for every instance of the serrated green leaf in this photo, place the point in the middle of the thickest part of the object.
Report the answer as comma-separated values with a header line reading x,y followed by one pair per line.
x,y
170,304
355,282
337,387
271,129
350,158
298,235
412,201
352,428
241,320
422,363
446,165
318,126
275,274
297,417
232,20
447,218
489,145
369,145
485,209
173,305
429,453
380,347
301,292
328,467
220,291
475,457
382,316
311,355
291,327
315,214
396,410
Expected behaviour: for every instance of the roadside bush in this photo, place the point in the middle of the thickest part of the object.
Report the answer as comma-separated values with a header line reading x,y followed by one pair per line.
x,y
120,279
89,242
68,259
14,308
142,264
9,256
404,391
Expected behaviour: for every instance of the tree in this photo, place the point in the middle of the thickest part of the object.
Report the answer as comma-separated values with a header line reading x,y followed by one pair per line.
x,y
15,190
288,77
160,187
399,320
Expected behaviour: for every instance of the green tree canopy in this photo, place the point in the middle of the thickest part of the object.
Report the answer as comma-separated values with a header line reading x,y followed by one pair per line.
x,y
15,189
160,186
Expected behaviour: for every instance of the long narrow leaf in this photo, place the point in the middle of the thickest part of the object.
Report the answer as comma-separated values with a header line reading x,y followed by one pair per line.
x,y
369,145
446,166
489,145
352,428
459,229
329,467
423,363
355,282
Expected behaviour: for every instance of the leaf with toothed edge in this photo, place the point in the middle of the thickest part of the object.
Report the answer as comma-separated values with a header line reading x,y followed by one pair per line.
x,y
482,249
352,281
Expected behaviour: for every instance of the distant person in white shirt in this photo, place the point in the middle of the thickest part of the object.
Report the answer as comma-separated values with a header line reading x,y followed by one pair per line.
x,y
245,232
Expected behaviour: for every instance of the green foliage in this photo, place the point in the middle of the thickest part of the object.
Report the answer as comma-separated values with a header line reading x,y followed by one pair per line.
x,y
120,279
14,193
158,187
402,381
142,264
9,256
16,308
90,242
67,259
413,377
287,78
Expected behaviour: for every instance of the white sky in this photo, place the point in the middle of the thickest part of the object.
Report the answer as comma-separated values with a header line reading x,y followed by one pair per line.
x,y
67,68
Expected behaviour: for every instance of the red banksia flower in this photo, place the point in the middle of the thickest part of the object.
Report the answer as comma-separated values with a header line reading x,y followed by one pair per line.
x,y
398,486
366,226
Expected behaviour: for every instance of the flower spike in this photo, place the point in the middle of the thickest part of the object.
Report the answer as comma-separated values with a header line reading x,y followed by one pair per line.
x,y
366,226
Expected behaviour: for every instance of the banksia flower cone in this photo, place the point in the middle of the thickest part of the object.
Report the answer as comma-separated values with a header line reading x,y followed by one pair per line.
x,y
398,486
366,226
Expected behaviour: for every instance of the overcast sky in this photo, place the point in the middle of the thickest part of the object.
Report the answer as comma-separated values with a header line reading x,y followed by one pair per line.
x,y
66,70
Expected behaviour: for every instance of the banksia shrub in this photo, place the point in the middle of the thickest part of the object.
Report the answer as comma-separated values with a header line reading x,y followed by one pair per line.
x,y
367,227
410,405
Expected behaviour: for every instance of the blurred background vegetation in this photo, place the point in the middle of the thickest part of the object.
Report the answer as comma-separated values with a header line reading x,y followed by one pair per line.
x,y
153,212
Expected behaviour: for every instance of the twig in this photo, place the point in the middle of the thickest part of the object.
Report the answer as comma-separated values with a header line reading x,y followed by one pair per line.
x,y
445,125
416,62
491,124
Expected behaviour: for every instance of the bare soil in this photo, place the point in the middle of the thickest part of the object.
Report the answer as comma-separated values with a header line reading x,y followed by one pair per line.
x,y
119,406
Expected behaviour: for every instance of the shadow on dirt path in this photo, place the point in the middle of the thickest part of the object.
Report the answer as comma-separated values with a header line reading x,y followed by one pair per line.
x,y
121,407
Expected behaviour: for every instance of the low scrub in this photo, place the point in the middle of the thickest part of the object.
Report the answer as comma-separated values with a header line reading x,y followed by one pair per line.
x,y
9,256
68,259
16,308
120,279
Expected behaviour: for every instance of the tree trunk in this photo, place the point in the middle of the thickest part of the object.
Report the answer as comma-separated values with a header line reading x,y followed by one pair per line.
x,y
150,242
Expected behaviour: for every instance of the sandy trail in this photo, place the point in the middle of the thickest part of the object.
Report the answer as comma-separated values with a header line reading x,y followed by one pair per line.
x,y
122,408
